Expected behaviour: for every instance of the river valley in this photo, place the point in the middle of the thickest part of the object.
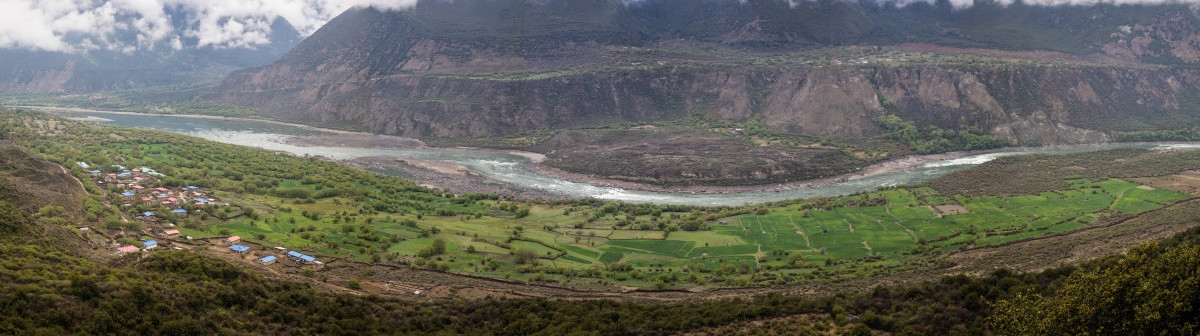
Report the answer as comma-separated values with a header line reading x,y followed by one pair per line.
x,y
508,172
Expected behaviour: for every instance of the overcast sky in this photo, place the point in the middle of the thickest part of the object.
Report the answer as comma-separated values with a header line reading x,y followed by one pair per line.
x,y
79,25
75,25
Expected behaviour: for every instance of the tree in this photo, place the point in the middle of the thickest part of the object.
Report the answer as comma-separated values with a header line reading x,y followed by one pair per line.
x,y
522,212
1151,290
525,255
437,247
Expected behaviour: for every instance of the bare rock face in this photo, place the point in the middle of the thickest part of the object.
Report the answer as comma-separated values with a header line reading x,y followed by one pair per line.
x,y
39,80
824,102
1041,131
411,74
1172,37
1024,104
949,98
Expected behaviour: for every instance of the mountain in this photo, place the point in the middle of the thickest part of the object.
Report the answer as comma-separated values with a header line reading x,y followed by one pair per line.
x,y
478,68
32,71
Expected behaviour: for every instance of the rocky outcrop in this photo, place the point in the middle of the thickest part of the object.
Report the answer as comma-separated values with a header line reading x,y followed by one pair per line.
x,y
824,102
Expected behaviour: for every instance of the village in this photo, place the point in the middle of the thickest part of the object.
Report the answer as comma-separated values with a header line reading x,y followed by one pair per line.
x,y
159,208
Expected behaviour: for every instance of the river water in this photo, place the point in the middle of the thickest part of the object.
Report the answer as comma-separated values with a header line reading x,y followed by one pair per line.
x,y
513,169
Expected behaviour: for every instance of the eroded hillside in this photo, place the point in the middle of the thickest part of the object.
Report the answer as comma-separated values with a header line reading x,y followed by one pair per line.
x,y
417,73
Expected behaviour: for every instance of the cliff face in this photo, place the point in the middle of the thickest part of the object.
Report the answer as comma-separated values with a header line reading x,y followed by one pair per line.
x,y
443,70
1024,104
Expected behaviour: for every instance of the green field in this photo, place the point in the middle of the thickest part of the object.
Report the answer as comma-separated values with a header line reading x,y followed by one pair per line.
x,y
333,211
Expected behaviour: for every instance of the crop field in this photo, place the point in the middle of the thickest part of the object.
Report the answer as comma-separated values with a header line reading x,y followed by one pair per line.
x,y
337,213
895,229
897,226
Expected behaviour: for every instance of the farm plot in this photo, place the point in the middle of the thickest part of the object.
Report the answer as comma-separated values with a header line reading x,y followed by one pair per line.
x,y
636,234
673,248
910,219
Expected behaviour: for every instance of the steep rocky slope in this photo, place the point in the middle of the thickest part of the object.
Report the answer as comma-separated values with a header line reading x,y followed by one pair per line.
x,y
1027,104
488,68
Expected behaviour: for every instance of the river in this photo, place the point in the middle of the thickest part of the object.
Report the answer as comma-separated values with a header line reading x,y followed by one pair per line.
x,y
514,169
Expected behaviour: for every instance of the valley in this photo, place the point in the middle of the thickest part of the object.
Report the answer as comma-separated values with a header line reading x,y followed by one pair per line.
x,y
600,167
355,220
517,173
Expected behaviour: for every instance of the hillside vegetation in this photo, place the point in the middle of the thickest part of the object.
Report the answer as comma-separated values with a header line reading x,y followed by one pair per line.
x,y
51,288
363,219
55,283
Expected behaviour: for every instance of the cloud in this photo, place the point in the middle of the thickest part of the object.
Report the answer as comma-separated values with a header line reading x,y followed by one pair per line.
x,y
129,25
968,3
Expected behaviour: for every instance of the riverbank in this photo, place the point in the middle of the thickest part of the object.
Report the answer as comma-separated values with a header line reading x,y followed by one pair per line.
x,y
193,116
885,167
522,175
454,177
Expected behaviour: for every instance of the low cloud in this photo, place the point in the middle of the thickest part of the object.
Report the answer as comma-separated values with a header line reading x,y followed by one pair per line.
x,y
968,3
129,25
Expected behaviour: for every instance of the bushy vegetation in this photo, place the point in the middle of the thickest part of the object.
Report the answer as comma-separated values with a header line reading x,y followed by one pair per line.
x,y
680,156
1167,135
932,140
146,101
1152,290
332,210
50,289
50,285
1031,174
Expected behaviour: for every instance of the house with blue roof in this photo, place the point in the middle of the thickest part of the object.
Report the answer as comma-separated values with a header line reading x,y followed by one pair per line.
x,y
301,257
239,248
148,214
192,187
128,194
267,260
179,211
150,244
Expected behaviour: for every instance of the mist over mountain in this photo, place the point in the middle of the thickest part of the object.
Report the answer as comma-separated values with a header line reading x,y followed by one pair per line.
x,y
40,71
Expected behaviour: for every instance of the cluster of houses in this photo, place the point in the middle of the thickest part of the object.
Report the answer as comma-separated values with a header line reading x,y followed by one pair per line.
x,y
137,184
235,245
147,245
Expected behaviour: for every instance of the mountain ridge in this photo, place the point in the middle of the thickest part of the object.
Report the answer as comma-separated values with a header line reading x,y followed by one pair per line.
x,y
448,70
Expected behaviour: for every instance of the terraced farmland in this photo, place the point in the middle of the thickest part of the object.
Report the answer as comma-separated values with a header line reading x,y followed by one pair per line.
x,y
908,221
